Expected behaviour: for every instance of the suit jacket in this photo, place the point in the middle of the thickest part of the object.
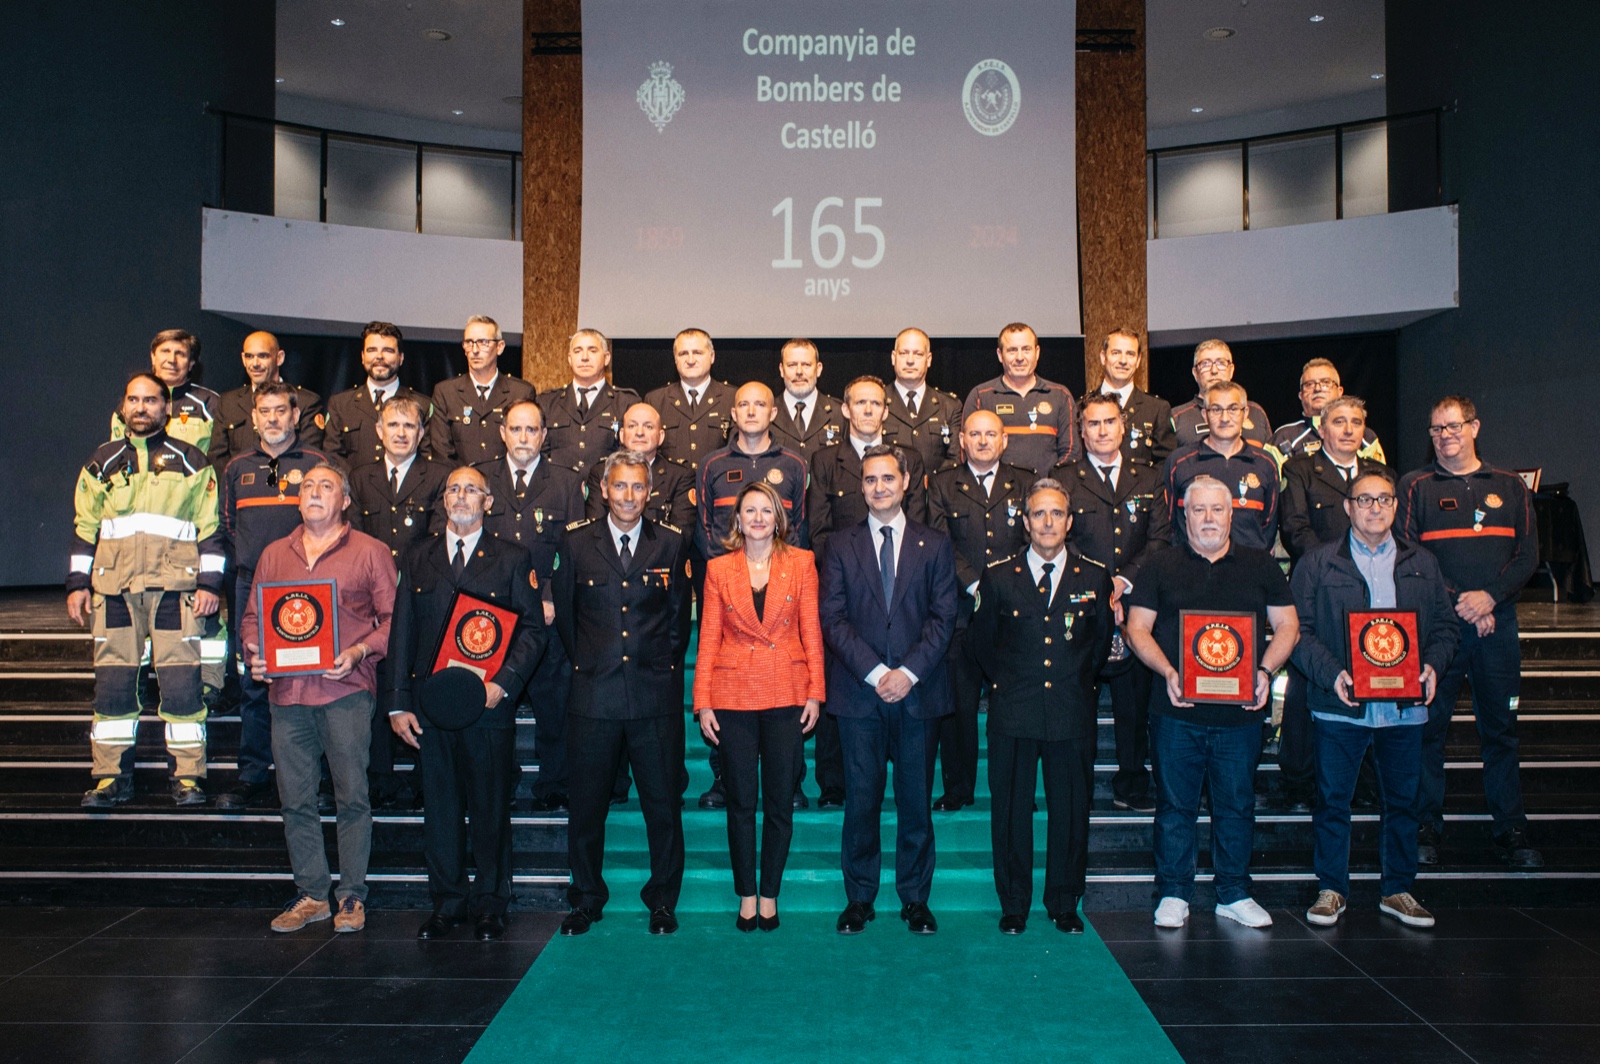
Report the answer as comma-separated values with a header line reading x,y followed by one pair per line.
x,y
1312,503
352,432
234,433
912,631
983,529
834,500
690,437
624,627
1149,435
497,573
671,494
400,518
1118,527
463,429
935,430
579,439
825,424
1043,657
747,662
535,519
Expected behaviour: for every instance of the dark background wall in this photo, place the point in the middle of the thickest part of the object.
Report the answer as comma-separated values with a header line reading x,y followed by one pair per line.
x,y
108,159
1522,155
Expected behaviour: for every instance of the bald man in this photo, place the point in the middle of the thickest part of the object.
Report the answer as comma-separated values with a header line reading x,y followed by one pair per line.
x,y
671,482
235,433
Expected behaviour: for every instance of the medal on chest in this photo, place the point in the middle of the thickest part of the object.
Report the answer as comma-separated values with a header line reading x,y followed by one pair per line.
x,y
1133,510
1477,520
466,415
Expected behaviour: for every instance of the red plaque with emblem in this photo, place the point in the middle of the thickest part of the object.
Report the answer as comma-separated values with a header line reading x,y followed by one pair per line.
x,y
1217,657
476,637
299,626
1383,663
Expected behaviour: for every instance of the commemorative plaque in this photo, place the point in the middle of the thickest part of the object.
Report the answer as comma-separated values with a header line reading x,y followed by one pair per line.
x,y
1217,657
299,626
1383,659
476,637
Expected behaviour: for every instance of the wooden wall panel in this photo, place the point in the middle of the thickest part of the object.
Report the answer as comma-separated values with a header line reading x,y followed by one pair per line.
x,y
1111,181
552,193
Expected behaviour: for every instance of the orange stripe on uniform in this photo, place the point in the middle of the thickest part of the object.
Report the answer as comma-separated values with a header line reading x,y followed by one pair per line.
x,y
288,500
1468,533
1031,430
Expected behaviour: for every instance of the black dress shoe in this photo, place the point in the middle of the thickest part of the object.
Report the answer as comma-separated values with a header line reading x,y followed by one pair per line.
x,y
947,804
800,799
833,798
918,919
437,926
767,923
1137,803
1013,925
1427,845
1517,851
855,918
745,923
491,927
715,798
619,799
552,803
662,922
579,921
1069,922
242,796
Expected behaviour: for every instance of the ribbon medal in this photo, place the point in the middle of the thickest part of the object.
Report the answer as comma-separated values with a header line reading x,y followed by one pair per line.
x,y
466,415
1477,520
1033,421
1133,510
1067,618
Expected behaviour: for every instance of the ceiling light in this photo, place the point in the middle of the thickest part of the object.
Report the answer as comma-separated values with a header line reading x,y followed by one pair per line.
x,y
1196,110
1375,77
1316,18
436,35
278,80
338,22
1219,33
458,112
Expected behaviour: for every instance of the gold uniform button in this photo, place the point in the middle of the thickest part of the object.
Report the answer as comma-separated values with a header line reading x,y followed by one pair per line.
x,y
1046,640
625,658
1047,685
1047,663
624,635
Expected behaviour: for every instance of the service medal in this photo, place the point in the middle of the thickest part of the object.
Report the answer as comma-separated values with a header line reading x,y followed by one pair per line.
x,y
1033,418
1477,520
1133,510
408,522
1068,617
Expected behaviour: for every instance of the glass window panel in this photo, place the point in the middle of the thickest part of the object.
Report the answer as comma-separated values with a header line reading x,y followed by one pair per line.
x,y
1202,191
1292,181
1366,170
372,184
467,194
296,174
1150,196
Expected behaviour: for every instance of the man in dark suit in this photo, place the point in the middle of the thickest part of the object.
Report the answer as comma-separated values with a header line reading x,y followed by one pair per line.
x,y
920,416
979,505
1119,518
696,412
355,416
468,410
804,420
584,418
833,498
466,770
1042,631
1150,436
622,611
532,501
888,607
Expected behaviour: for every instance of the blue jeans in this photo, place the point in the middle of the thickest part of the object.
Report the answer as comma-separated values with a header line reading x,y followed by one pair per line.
x,y
1494,664
1398,752
1185,756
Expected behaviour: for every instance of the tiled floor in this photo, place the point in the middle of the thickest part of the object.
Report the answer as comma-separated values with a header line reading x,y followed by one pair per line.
x,y
157,986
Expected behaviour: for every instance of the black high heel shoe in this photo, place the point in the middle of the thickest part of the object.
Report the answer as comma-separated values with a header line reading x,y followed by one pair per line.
x,y
745,923
767,923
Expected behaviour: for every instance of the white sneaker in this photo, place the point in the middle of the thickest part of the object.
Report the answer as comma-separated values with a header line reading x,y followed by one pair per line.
x,y
1172,912
1246,912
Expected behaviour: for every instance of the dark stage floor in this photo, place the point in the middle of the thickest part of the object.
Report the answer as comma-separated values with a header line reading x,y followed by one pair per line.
x,y
158,986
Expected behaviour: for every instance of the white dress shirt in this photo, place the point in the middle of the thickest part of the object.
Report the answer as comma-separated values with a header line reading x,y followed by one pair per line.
x,y
452,537
793,400
1109,470
391,469
381,393
617,534
1036,566
876,527
861,450
1123,394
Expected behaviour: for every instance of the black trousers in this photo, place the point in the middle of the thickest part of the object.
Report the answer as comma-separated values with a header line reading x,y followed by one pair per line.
x,y
1297,739
547,693
654,746
1068,789
759,751
467,775
956,742
1130,712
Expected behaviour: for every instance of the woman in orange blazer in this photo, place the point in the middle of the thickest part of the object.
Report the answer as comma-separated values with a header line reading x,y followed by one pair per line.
x,y
758,687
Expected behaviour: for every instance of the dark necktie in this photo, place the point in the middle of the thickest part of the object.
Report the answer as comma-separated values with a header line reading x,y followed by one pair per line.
x,y
1105,475
694,401
1044,582
459,562
624,553
377,400
522,482
483,395
1344,474
911,403
583,401
983,482
800,414
886,566
394,480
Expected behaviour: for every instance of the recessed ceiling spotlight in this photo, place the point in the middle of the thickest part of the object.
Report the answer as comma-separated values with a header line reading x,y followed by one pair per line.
x,y
1196,110
278,80
436,35
337,22
1316,18
458,112
1375,77
1219,33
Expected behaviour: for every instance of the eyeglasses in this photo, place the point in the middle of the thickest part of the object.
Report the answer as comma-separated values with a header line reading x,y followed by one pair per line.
x,y
1214,364
1318,386
478,345
1367,502
1233,408
464,489
1451,428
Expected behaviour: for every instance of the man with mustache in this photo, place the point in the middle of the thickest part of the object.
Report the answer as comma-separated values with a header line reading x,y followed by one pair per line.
x,y
355,416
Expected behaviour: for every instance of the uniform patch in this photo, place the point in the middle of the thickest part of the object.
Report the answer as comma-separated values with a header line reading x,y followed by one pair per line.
x,y
247,480
1447,504
774,475
1493,501
1005,408
1252,480
296,476
733,476
1044,408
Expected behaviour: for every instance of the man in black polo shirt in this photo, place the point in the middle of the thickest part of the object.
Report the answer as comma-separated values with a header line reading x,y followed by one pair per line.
x,y
1242,465
1197,741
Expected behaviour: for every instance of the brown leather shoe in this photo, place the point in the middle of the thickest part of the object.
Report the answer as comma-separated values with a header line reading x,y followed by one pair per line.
x,y
302,911
352,915
1327,910
1404,907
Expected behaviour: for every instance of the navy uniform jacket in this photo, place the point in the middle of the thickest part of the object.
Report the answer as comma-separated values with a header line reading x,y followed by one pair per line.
x,y
1313,501
463,429
1189,422
825,424
1480,527
258,507
234,434
1251,477
579,440
1148,434
398,519
624,627
671,493
912,631
725,473
1301,437
352,432
497,573
834,500
982,529
690,437
552,500
935,431
1043,657
1041,427
1118,527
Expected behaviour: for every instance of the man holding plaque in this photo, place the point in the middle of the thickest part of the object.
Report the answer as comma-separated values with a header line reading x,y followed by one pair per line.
x,y
1377,629
467,615
1198,617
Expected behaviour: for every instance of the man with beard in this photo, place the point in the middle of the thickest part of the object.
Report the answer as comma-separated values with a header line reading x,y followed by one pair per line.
x,y
235,432
355,416
804,420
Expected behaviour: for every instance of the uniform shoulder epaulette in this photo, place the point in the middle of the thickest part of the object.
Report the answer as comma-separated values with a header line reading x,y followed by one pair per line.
x,y
1092,561
669,527
575,525
1003,561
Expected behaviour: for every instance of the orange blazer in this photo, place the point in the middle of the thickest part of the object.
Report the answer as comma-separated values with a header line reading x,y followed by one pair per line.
x,y
744,663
